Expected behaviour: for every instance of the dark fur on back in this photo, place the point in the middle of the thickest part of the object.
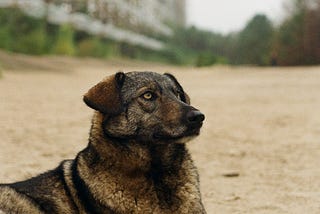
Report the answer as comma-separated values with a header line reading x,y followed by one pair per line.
x,y
136,160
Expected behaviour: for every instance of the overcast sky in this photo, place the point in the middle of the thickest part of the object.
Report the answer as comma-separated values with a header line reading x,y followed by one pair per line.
x,y
230,15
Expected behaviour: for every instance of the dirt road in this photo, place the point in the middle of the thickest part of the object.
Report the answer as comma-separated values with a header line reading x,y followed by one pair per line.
x,y
259,151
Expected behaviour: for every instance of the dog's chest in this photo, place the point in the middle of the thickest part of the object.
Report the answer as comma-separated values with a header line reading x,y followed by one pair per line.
x,y
137,196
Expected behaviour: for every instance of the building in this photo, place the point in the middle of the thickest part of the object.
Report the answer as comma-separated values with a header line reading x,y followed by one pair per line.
x,y
137,22
143,16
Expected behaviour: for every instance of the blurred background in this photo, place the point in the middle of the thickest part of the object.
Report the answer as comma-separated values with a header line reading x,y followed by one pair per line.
x,y
182,32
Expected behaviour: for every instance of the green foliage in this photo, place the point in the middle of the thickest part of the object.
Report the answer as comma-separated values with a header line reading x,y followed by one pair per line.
x,y
253,44
20,33
180,55
94,46
5,39
34,43
136,52
192,46
51,36
206,59
64,44
198,40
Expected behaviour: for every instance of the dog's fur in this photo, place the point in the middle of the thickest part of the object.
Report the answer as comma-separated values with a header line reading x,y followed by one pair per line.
x,y
135,162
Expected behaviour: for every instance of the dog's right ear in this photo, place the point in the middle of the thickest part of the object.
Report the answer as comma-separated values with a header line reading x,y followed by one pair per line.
x,y
105,96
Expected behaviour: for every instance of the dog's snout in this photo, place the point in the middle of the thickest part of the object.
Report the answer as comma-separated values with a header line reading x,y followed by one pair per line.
x,y
195,117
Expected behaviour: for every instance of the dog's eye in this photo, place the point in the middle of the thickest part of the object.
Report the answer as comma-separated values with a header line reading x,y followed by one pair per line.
x,y
149,96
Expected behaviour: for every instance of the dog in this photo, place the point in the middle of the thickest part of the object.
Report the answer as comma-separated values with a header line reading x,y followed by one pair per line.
x,y
136,160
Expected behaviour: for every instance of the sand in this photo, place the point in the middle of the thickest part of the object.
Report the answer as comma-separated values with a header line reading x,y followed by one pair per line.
x,y
259,150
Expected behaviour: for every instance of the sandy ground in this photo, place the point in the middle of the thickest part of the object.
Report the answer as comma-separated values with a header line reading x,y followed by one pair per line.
x,y
259,151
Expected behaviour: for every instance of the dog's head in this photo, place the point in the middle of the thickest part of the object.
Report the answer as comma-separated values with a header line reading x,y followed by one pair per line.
x,y
145,106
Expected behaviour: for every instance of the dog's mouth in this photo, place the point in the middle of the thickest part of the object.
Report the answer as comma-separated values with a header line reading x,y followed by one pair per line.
x,y
191,131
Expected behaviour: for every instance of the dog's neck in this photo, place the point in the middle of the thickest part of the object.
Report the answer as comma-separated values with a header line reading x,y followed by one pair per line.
x,y
131,155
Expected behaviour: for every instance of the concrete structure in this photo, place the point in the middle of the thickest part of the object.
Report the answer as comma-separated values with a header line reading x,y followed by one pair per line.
x,y
140,15
132,21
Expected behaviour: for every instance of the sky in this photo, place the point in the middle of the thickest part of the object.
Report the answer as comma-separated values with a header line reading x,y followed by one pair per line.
x,y
226,16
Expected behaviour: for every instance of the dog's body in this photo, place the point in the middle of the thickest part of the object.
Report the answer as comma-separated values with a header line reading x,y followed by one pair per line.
x,y
136,160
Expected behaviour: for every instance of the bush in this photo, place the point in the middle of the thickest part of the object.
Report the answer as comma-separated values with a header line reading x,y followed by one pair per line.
x,y
64,44
5,38
35,43
21,33
206,59
95,47
52,31
180,55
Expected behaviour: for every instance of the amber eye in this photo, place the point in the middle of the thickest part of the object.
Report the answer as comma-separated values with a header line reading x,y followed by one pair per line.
x,y
148,96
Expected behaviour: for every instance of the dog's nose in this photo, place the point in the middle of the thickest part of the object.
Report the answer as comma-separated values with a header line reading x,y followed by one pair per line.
x,y
195,117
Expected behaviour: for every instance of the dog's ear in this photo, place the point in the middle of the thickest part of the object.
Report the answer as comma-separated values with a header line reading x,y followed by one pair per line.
x,y
105,96
184,96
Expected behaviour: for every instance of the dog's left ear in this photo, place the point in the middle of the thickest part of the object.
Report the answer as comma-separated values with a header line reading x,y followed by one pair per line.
x,y
105,96
184,96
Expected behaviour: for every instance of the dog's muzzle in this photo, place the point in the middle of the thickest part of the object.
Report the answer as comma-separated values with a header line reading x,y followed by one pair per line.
x,y
194,120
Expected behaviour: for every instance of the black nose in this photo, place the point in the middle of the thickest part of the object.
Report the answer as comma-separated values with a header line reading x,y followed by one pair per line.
x,y
195,117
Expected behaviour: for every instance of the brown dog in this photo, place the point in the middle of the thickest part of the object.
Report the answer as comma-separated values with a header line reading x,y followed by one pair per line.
x,y
135,162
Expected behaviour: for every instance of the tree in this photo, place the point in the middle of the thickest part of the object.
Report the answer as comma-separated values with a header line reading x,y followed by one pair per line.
x,y
311,38
200,47
298,37
253,43
289,39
